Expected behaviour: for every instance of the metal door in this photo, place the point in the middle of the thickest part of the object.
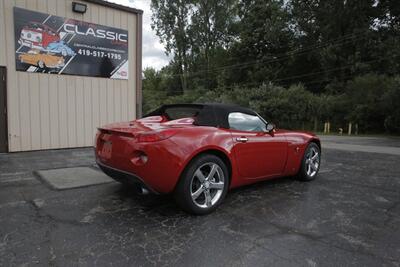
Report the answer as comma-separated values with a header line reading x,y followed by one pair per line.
x,y
259,154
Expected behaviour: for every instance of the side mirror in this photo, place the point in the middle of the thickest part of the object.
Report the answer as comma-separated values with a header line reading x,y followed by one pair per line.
x,y
270,127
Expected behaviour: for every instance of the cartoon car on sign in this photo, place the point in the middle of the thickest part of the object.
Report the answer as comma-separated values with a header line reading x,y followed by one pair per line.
x,y
41,60
37,35
60,48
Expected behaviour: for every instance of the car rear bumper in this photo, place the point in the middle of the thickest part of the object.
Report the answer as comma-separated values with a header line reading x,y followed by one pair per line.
x,y
159,172
124,177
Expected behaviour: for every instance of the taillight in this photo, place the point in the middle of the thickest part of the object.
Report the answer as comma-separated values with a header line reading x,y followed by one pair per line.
x,y
156,135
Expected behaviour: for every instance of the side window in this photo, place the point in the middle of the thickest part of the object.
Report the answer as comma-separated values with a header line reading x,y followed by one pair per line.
x,y
245,122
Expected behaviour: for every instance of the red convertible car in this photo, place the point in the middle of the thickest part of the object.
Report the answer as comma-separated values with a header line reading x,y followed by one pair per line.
x,y
200,151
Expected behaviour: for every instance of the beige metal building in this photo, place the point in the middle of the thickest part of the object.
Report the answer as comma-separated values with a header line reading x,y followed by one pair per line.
x,y
50,110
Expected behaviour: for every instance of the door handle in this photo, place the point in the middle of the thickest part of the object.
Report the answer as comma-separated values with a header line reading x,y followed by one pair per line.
x,y
242,139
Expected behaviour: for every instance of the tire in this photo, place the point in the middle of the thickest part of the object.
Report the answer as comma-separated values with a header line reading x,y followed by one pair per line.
x,y
203,185
310,163
41,64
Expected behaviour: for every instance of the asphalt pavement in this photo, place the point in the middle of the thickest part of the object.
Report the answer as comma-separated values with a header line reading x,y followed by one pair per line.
x,y
350,215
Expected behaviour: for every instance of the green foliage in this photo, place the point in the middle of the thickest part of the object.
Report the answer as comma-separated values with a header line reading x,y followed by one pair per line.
x,y
391,100
364,96
299,63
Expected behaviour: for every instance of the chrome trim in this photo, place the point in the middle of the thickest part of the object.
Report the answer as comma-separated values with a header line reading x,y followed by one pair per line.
x,y
242,139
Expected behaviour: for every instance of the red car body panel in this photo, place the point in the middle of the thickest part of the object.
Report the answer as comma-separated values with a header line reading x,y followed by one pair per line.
x,y
159,164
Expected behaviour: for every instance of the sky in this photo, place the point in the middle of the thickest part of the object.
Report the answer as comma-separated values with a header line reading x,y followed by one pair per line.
x,y
153,50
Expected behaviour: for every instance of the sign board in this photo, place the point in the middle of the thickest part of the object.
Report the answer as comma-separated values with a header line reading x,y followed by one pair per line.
x,y
52,44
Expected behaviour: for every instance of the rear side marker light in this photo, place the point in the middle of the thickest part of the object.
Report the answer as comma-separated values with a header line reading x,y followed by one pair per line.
x,y
143,158
139,158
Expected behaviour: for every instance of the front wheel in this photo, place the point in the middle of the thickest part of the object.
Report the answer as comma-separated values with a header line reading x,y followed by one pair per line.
x,y
311,163
203,185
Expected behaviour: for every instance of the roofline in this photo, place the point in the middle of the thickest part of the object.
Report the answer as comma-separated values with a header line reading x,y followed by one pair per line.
x,y
116,6
139,87
213,105
183,105
209,104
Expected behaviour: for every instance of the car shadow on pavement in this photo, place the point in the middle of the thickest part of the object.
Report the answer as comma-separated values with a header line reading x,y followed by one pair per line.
x,y
164,205
150,203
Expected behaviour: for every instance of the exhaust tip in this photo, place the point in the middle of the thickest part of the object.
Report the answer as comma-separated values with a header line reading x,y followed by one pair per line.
x,y
142,190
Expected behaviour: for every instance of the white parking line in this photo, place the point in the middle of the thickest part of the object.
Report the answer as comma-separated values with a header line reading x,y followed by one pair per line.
x,y
11,180
362,148
13,204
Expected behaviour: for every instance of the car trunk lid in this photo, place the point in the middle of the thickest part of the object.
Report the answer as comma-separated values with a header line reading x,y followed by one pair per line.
x,y
135,128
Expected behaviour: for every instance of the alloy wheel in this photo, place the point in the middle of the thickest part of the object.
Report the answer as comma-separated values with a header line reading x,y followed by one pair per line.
x,y
207,185
312,162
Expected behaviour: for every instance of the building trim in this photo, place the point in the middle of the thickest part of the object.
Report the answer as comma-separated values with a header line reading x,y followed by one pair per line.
x,y
115,6
6,107
139,66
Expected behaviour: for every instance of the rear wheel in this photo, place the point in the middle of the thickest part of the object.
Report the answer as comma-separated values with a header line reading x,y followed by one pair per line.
x,y
203,185
41,64
310,163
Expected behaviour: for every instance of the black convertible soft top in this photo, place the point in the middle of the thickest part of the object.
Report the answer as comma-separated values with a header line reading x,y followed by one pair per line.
x,y
212,114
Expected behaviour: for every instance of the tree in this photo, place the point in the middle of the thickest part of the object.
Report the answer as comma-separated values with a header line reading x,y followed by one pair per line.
x,y
264,33
211,30
365,95
335,36
153,91
391,100
170,20
298,62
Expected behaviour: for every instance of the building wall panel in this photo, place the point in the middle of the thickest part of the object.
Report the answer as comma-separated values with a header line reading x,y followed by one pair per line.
x,y
54,123
44,108
34,111
59,111
132,70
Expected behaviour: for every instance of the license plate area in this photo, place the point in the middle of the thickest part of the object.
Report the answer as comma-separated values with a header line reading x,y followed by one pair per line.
x,y
106,151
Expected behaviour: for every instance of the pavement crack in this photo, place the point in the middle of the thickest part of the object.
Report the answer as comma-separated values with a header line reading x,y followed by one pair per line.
x,y
50,218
